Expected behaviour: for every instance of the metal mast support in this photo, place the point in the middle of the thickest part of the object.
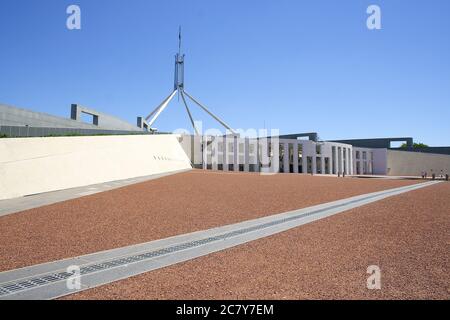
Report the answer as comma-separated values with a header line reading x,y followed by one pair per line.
x,y
189,113
157,108
155,113
210,113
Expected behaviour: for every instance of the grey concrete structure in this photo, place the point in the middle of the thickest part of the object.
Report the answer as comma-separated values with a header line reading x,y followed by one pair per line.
x,y
101,120
27,131
18,122
385,143
376,142
313,136
141,123
435,150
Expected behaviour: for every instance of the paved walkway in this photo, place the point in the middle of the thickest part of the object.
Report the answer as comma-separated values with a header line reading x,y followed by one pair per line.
x,y
49,280
42,199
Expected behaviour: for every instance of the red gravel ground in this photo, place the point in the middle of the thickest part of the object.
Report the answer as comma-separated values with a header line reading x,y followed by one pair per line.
x,y
161,208
407,236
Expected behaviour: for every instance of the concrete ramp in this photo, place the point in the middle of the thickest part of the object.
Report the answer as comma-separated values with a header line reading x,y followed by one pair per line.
x,y
36,165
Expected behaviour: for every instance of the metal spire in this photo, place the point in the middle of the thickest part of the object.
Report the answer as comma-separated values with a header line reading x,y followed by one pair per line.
x,y
179,88
179,67
179,40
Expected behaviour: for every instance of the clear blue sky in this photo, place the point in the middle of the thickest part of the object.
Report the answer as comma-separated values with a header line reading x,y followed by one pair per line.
x,y
295,65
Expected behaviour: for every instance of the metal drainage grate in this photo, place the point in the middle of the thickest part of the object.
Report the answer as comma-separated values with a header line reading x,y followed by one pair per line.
x,y
26,284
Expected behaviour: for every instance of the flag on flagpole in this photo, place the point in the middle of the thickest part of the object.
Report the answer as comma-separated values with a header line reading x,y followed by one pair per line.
x,y
179,40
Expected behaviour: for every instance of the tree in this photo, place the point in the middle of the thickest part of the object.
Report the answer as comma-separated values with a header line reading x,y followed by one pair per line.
x,y
418,145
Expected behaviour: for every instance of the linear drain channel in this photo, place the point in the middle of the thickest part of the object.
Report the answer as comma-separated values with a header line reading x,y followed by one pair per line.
x,y
34,282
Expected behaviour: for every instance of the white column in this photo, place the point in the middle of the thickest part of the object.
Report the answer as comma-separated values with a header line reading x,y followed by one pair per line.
x,y
236,154
351,161
341,158
286,157
196,150
331,160
330,163
314,162
336,160
275,165
225,154
295,155
246,155
304,159
221,157
204,144
256,155
346,161
214,153
322,163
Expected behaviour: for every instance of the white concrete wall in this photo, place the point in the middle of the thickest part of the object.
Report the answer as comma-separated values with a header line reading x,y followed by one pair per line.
x,y
36,165
406,163
379,161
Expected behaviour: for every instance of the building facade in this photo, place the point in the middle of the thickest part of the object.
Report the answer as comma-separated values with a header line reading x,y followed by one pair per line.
x,y
276,155
295,155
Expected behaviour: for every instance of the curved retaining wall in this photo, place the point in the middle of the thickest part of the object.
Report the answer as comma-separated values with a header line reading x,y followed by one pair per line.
x,y
36,165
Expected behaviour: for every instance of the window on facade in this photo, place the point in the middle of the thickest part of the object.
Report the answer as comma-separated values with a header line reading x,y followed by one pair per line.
x,y
241,147
309,164
89,118
357,154
364,155
318,149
